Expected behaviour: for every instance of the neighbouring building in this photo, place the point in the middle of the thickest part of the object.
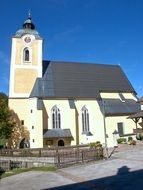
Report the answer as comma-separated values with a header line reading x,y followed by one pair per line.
x,y
141,101
66,103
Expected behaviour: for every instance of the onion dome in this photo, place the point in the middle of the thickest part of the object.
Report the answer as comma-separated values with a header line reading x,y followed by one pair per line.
x,y
28,23
28,28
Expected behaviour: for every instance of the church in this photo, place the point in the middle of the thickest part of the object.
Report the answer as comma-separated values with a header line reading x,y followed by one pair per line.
x,y
67,103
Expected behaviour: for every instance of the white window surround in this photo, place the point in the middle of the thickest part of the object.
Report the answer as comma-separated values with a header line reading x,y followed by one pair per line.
x,y
85,120
23,60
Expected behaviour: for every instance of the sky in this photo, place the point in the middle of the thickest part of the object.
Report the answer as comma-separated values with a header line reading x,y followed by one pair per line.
x,y
91,31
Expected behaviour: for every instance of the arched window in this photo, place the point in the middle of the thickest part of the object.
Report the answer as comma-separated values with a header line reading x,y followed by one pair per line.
x,y
85,120
26,54
56,118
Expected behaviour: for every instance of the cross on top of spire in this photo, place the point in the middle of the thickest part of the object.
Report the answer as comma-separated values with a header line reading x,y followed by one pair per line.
x,y
29,14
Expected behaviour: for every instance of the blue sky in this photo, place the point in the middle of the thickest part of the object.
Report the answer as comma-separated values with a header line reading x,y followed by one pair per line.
x,y
94,31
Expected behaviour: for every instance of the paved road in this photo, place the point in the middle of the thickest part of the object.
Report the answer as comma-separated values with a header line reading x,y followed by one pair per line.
x,y
123,171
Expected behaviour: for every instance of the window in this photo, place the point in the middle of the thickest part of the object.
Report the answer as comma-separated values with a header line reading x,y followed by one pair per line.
x,y
85,120
22,122
56,118
32,127
120,129
26,54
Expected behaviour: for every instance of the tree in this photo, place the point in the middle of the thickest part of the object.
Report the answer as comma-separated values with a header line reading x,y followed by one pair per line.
x,y
6,123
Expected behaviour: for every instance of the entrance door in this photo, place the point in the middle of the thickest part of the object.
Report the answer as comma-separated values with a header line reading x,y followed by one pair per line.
x,y
61,143
24,144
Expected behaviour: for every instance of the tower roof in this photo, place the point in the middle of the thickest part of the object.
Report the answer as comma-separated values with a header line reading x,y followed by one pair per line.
x,y
28,23
28,28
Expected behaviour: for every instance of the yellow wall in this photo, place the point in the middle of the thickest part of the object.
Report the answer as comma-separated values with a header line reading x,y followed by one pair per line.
x,y
27,111
116,95
34,47
24,80
23,108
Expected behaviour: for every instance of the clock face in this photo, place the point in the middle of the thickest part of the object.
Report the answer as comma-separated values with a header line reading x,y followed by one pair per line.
x,y
27,39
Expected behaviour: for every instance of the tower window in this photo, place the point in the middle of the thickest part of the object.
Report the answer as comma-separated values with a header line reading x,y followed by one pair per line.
x,y
26,54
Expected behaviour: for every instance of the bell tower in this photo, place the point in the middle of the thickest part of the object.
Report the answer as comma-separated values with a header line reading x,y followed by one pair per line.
x,y
26,60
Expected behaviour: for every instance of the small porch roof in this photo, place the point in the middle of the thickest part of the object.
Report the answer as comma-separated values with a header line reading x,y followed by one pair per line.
x,y
57,133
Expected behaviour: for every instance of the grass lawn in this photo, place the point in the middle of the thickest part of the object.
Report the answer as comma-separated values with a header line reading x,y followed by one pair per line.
x,y
20,170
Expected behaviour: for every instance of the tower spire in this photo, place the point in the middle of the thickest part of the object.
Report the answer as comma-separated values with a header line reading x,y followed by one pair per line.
x,y
28,23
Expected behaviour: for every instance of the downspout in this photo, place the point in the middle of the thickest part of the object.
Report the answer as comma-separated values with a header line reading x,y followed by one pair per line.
x,y
76,126
105,133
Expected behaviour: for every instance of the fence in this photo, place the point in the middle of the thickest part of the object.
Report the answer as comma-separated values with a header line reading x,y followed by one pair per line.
x,y
60,156
67,158
38,152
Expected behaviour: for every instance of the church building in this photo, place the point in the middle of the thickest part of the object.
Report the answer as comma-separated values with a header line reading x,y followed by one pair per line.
x,y
67,103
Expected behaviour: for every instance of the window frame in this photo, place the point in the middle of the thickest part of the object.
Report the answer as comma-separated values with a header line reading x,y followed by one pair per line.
x,y
85,120
56,117
120,128
25,59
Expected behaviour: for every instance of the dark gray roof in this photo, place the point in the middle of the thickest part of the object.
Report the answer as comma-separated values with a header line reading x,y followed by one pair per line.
x,y
79,80
57,133
136,115
118,107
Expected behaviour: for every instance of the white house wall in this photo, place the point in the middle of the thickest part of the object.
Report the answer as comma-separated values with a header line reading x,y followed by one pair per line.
x,y
111,126
35,124
67,115
68,118
96,121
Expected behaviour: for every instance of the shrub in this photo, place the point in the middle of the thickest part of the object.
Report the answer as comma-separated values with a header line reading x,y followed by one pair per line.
x,y
130,138
96,144
122,140
132,142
